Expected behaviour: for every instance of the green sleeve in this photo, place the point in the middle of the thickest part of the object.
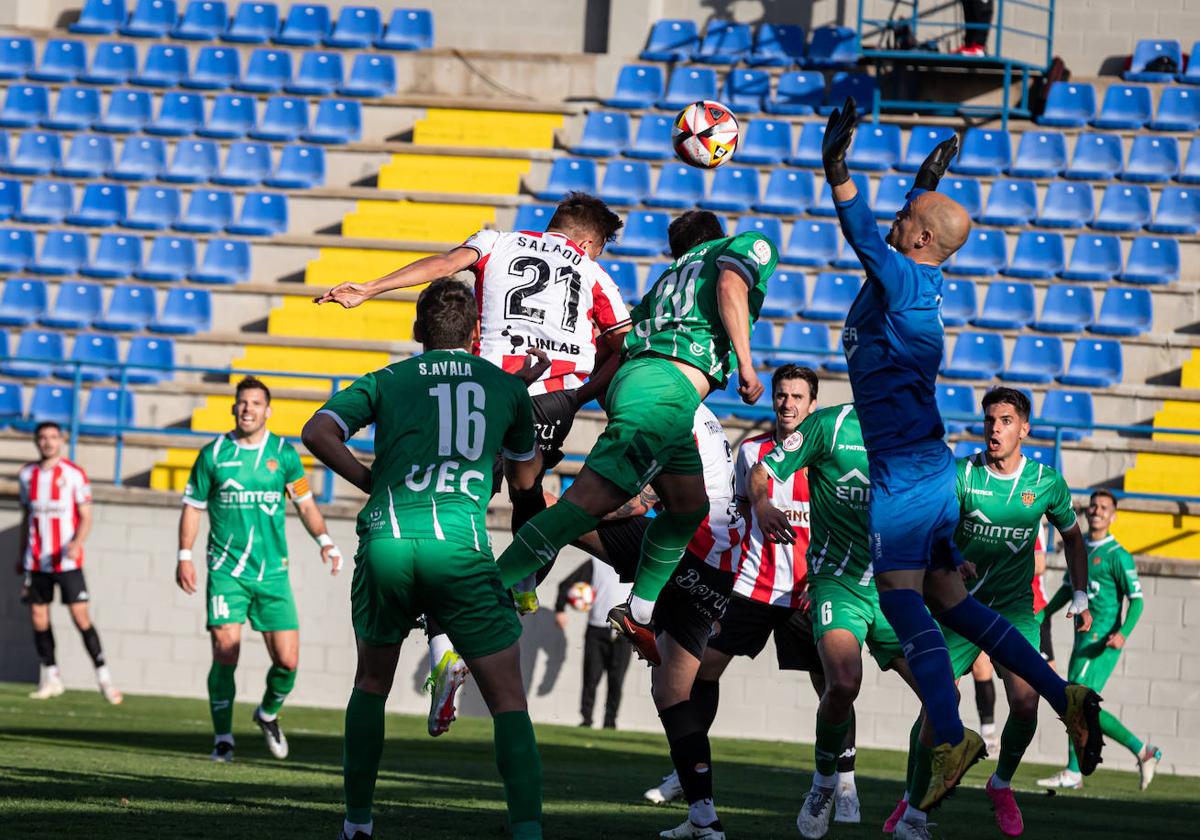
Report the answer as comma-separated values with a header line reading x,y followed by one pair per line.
x,y
801,449
753,256
354,407
1126,574
1059,509
520,439
199,483
1132,614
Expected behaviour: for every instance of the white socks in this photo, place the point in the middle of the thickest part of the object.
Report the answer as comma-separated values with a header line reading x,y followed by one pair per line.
x,y
103,676
820,780
913,815
640,609
350,829
223,739
846,779
439,646
52,672
264,716
997,783
702,812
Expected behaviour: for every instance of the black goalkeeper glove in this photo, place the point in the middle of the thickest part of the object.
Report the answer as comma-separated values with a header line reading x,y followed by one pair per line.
x,y
935,165
839,131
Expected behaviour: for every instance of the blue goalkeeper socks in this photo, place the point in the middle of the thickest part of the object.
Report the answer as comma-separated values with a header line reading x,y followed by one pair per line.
x,y
928,659
1007,647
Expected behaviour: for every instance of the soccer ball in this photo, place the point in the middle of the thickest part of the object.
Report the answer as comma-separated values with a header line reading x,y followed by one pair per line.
x,y
581,595
705,134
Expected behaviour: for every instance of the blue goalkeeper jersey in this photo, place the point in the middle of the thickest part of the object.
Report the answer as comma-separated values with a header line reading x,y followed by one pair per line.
x,y
893,337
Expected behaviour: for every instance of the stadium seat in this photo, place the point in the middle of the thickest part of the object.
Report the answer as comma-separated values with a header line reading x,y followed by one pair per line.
x,y
185,312
156,208
283,119
567,175
624,274
22,302
966,191
1040,154
1066,206
171,258
202,20
1125,106
762,342
195,161
62,60
1035,358
797,93
16,57
1152,261
787,295
1094,362
225,261
63,252
142,158
688,85
1094,258
861,86
216,69
77,305
1007,306
833,292
102,205
48,203
1178,211
1190,173
336,121
645,235
625,183
679,186
370,75
955,400
262,214
1191,76
1011,203
1178,110
128,111
734,189
408,29
745,91
1152,159
150,19
300,167
252,23
113,63
812,244
801,344
130,309
967,448
832,46
232,116
97,356
807,154
1074,407
724,42
921,141
1039,255
208,211
823,206
777,45
150,359
653,139
16,249
533,217
604,133
1124,312
116,257
671,40
984,151
24,106
99,17
49,404
1066,309
179,115
165,65
1124,207
1150,50
42,348
306,25
959,302
1097,157
983,254
319,74
356,27
76,108
765,142
10,196
108,411
38,153
768,226
1069,105
876,147
891,195
789,192
976,356
267,71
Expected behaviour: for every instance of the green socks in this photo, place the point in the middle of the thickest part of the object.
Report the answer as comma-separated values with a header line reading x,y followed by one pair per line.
x,y
1072,759
914,741
922,773
830,739
666,537
221,691
521,769
279,686
539,540
1014,740
361,751
1116,730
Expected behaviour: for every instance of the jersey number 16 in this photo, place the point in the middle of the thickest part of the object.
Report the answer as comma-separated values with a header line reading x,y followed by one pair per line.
x,y
460,418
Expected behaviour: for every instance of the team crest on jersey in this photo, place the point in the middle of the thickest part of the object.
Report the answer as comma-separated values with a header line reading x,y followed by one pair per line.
x,y
272,465
1095,561
792,442
1027,498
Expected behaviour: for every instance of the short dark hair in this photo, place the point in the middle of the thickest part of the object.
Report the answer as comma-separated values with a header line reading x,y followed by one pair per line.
x,y
580,213
446,314
791,371
1008,396
1106,493
692,228
252,383
46,424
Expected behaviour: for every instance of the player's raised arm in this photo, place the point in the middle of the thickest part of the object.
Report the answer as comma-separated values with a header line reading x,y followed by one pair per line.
x,y
423,270
733,304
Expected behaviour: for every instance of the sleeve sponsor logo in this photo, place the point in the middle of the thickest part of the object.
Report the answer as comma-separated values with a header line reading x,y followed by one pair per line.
x,y
761,251
792,442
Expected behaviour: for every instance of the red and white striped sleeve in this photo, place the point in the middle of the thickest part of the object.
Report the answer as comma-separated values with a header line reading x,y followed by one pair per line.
x,y
608,309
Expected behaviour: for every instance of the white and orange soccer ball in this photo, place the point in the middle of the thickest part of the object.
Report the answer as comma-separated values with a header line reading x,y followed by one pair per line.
x,y
705,134
581,596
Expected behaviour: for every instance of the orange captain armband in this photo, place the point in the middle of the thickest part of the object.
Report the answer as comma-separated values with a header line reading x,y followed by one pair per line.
x,y
299,488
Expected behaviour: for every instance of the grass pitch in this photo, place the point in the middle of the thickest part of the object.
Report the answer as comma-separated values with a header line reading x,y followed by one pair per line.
x,y
75,767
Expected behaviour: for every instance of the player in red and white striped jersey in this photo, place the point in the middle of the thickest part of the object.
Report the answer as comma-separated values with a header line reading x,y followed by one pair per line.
x,y
57,502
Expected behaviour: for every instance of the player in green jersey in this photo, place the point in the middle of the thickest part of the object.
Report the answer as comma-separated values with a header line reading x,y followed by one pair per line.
x,y
690,332
1002,497
441,419
241,479
1112,578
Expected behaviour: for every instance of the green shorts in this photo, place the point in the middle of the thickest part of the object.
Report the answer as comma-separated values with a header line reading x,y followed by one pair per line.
x,y
838,605
963,653
651,409
397,581
267,603
1091,667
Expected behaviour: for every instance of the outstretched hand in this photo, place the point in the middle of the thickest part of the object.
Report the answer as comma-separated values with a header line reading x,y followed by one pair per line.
x,y
935,164
348,295
839,131
535,364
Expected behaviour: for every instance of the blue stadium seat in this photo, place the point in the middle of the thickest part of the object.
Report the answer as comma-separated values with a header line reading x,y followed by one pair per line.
x,y
63,252
76,108
1066,308
734,189
807,154
688,85
787,295
724,42
891,195
336,121
788,192
1066,205
624,274
62,60
645,235
1178,110
150,19
1178,211
1149,50
108,410
955,400
267,71
921,141
99,17
823,206
567,175
150,359
370,75
319,74
16,57
195,161
216,69
653,139
1039,255
113,63
876,147
102,205
165,65
833,292
208,211
1094,258
765,141
1152,159
49,404
1064,407
408,29
1007,306
1125,106
671,40
967,448
128,110
24,106
1011,203
812,243
306,25
232,116
984,151
976,356
1124,312
1190,173
1191,76
966,191
48,203
283,119
16,249
179,115
156,208
77,305
356,27
10,196
861,86
625,183
1069,104
262,214
604,133
797,93
533,217
1124,207
1094,362
299,167
959,302
762,341
142,158
983,254
185,312
116,257
252,23
98,352
769,226
1035,358
1097,157
202,20
745,90
1040,154
1152,261
22,302
171,258
43,348
806,344
679,186
832,46
777,45
225,261
38,153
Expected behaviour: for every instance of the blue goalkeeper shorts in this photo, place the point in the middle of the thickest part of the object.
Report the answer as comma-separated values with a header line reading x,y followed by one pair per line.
x,y
914,508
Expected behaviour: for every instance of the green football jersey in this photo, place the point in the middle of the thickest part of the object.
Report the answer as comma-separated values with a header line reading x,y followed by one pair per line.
x,y
679,318
243,489
440,420
829,442
999,518
1112,577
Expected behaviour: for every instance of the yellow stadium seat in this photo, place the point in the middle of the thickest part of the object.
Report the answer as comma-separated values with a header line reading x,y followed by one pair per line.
x,y
1162,534
349,364
378,320
442,174
357,265
419,222
495,129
